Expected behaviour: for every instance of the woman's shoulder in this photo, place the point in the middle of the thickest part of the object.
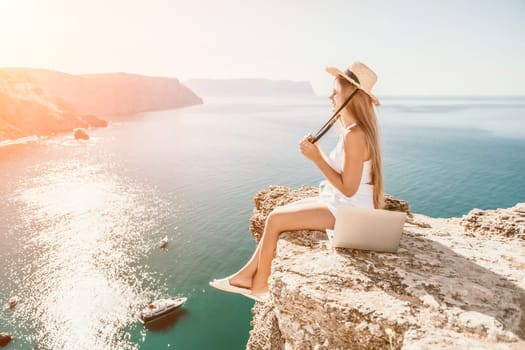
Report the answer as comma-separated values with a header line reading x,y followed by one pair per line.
x,y
355,141
354,133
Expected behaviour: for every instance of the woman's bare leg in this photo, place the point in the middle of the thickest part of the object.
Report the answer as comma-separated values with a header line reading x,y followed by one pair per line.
x,y
243,277
313,216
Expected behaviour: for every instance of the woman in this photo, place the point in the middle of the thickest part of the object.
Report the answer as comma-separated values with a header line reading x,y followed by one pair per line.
x,y
353,174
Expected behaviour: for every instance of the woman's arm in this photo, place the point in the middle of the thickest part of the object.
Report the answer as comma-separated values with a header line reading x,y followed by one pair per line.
x,y
354,148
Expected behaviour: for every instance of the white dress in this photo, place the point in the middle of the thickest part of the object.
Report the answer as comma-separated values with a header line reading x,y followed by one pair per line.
x,y
332,197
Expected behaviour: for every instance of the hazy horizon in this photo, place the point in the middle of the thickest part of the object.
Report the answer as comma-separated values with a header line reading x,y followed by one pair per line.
x,y
387,96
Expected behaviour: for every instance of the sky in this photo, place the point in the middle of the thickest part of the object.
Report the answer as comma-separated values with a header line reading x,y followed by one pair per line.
x,y
417,48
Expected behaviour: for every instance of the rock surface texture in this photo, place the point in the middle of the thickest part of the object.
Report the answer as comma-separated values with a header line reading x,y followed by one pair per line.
x,y
455,283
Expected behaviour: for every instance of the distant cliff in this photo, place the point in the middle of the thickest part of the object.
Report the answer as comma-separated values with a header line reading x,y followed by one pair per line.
x,y
28,109
116,93
42,102
455,283
249,87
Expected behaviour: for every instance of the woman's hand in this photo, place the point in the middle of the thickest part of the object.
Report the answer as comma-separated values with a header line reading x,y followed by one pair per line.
x,y
310,150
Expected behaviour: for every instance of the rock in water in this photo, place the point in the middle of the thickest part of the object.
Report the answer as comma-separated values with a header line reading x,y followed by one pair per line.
x,y
81,134
5,339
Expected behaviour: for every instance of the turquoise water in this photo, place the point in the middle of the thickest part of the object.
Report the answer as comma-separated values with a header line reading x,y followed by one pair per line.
x,y
80,221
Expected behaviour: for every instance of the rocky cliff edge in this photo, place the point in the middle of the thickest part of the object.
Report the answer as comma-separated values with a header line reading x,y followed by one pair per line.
x,y
455,283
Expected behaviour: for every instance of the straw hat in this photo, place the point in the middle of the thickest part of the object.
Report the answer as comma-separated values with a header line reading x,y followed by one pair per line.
x,y
359,75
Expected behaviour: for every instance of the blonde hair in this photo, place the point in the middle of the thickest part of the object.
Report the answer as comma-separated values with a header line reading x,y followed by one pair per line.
x,y
360,106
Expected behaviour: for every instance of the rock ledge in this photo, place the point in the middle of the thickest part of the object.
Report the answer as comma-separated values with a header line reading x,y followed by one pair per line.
x,y
454,283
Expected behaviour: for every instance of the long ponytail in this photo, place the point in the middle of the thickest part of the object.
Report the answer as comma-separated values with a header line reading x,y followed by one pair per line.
x,y
362,109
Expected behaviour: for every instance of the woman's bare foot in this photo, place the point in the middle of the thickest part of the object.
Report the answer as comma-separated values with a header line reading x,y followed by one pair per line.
x,y
260,290
241,280
259,286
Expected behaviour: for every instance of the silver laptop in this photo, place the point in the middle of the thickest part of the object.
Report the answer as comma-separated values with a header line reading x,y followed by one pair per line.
x,y
368,229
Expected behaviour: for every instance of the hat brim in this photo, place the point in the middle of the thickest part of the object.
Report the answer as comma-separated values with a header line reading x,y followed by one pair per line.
x,y
335,72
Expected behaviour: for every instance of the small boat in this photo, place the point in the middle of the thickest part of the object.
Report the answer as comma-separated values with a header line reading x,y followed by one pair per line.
x,y
13,301
160,308
163,242
5,338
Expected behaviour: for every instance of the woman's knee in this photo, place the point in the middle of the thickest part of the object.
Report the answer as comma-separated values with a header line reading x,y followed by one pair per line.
x,y
274,219
280,208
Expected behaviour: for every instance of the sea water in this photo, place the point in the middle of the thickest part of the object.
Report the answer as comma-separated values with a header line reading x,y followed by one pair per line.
x,y
80,222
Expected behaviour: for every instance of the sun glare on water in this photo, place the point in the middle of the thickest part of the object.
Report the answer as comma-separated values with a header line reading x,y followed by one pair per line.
x,y
86,236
